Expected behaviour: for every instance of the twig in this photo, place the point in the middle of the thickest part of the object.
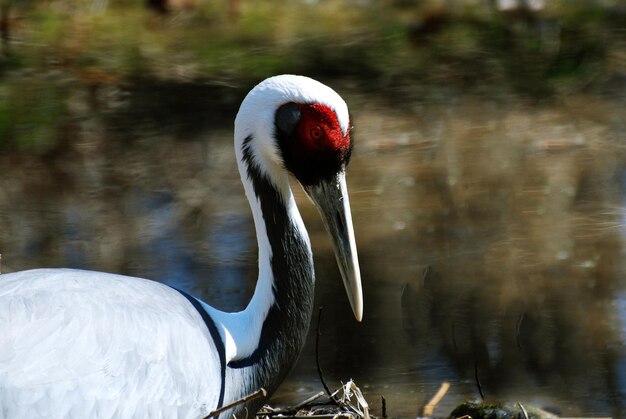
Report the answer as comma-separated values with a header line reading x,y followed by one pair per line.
x,y
429,409
480,388
259,393
346,402
524,412
317,354
384,406
307,401
293,409
322,416
350,389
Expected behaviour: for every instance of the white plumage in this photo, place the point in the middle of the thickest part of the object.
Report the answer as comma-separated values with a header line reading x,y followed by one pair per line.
x,y
81,344
84,349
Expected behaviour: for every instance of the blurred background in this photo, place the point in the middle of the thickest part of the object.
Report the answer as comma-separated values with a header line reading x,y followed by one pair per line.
x,y
487,183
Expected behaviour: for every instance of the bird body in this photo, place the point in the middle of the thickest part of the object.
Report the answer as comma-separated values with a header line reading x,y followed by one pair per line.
x,y
79,353
77,344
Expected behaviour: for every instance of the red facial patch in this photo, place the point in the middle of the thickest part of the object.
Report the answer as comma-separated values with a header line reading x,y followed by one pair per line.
x,y
312,144
319,130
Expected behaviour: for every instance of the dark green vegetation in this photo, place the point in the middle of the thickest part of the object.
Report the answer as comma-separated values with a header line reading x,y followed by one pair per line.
x,y
478,410
59,53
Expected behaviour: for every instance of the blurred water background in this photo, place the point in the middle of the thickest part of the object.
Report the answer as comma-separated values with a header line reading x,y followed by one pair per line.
x,y
487,183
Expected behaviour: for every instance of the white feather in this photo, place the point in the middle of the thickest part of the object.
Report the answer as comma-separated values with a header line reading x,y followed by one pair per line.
x,y
79,344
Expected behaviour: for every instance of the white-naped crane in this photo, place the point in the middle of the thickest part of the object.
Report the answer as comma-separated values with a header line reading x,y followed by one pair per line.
x,y
83,344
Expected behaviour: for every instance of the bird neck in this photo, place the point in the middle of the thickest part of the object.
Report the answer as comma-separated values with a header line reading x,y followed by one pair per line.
x,y
263,342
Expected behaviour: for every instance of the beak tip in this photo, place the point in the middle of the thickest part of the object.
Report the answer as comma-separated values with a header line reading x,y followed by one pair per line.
x,y
331,199
357,309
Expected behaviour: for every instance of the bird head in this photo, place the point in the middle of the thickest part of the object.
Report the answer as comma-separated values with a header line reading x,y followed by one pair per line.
x,y
302,127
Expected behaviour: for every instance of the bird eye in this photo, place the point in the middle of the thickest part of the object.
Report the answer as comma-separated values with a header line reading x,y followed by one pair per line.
x,y
316,133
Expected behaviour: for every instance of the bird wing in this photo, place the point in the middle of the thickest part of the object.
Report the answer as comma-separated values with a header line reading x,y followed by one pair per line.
x,y
88,344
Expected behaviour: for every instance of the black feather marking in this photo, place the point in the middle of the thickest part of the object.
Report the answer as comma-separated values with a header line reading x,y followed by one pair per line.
x,y
217,339
285,327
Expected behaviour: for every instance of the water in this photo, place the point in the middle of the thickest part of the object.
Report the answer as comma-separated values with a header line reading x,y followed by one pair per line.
x,y
493,237
490,235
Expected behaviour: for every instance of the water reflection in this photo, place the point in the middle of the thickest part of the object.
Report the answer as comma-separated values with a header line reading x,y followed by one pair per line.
x,y
490,234
516,214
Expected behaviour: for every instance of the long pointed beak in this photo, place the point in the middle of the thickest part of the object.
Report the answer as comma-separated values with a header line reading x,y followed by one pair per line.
x,y
331,199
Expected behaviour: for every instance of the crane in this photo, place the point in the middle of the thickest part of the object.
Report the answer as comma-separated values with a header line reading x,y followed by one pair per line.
x,y
84,344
